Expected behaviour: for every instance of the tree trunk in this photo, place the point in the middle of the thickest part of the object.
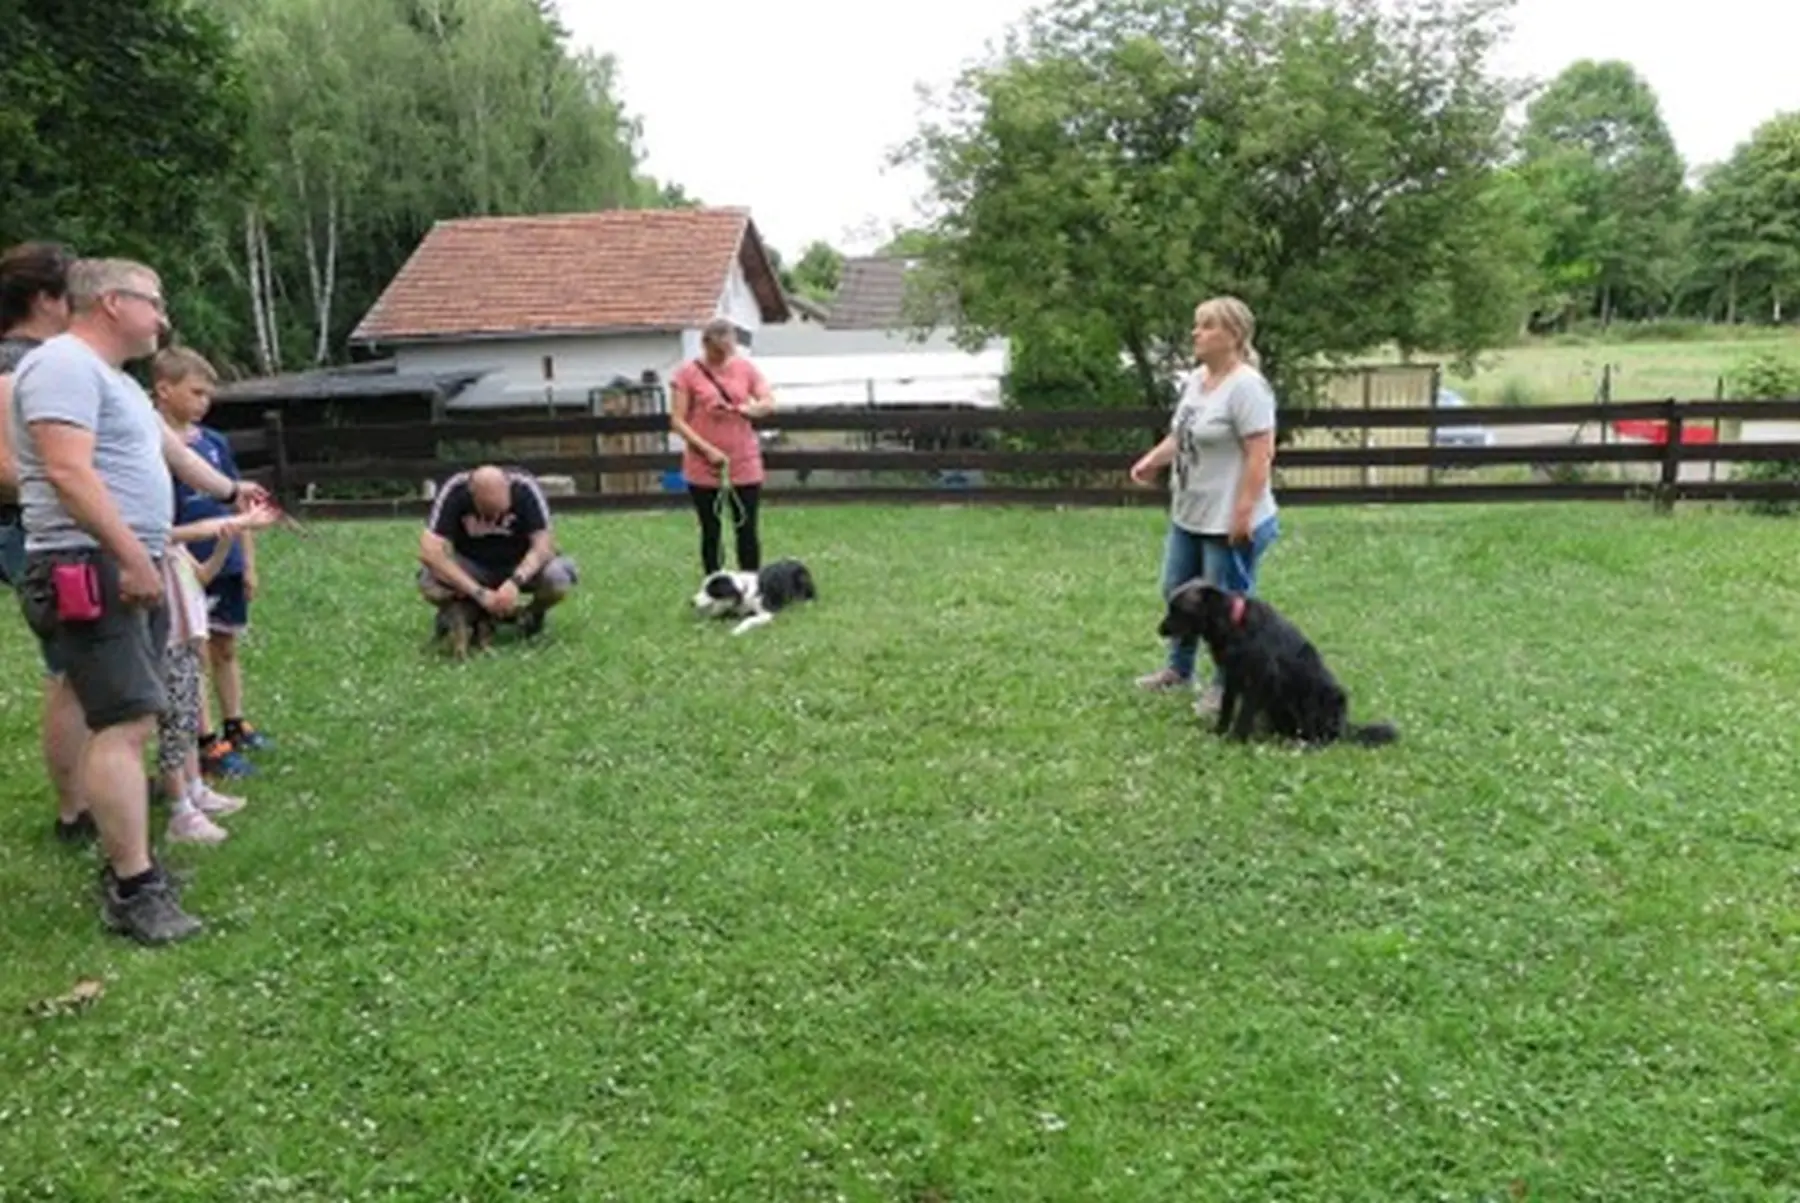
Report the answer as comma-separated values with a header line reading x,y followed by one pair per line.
x,y
1731,302
268,270
323,296
261,315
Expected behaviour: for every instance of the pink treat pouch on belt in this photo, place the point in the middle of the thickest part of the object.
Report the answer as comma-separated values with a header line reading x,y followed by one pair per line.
x,y
77,592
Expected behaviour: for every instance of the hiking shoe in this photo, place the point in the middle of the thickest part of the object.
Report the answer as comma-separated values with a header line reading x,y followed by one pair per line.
x,y
150,916
194,827
531,623
1162,680
82,831
224,760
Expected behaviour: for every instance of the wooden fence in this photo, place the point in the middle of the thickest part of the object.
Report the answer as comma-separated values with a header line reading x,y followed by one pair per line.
x,y
1676,451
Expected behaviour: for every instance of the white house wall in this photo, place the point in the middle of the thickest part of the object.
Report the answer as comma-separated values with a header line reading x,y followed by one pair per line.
x,y
517,365
738,302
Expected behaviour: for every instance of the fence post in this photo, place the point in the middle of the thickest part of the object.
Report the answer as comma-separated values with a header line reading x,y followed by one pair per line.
x,y
1368,403
1712,465
1671,459
1431,432
273,430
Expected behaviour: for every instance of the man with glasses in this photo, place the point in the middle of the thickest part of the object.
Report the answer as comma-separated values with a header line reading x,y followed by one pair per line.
x,y
94,459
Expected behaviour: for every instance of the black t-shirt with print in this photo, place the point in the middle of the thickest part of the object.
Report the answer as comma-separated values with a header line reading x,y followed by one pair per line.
x,y
496,547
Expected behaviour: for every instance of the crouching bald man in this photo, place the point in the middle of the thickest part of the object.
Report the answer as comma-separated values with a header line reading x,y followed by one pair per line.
x,y
486,547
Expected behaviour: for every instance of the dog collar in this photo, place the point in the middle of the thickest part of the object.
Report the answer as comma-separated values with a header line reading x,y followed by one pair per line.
x,y
1237,609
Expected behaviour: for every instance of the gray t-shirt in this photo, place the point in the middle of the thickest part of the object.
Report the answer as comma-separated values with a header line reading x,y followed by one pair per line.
x,y
1210,429
65,381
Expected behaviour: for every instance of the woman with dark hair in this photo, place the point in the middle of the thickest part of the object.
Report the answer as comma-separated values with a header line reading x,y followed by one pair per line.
x,y
34,307
712,400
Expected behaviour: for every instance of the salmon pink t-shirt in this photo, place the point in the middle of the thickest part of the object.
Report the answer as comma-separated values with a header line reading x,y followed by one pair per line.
x,y
719,419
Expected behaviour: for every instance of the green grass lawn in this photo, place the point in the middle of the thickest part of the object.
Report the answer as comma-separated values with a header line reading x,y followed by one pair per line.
x,y
1549,372
910,897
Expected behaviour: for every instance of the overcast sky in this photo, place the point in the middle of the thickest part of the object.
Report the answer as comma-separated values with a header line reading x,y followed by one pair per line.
x,y
789,107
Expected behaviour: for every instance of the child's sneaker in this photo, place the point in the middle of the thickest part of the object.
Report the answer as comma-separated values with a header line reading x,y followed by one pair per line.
x,y
190,826
221,759
211,802
246,738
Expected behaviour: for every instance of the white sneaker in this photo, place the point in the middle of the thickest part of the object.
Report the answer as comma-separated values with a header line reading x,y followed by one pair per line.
x,y
193,827
1161,681
212,802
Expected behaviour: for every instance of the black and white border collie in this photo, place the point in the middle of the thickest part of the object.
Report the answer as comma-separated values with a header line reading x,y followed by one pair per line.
x,y
754,597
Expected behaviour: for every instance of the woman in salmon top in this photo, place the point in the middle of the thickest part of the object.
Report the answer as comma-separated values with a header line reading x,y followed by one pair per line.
x,y
712,400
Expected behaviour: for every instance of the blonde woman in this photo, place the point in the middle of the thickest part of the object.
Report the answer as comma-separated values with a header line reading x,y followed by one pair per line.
x,y
1221,442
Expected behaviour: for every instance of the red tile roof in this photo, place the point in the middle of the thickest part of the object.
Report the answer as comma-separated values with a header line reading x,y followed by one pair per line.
x,y
621,269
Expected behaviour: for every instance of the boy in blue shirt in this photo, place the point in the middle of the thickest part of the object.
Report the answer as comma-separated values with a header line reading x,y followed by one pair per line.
x,y
184,382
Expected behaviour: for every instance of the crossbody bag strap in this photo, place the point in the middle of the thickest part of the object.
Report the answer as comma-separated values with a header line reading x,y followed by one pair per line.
x,y
724,394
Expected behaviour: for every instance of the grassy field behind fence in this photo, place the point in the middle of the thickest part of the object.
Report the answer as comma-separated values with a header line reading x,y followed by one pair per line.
x,y
1555,371
910,897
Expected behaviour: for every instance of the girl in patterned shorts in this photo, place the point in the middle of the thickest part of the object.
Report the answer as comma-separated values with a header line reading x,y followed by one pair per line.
x,y
193,805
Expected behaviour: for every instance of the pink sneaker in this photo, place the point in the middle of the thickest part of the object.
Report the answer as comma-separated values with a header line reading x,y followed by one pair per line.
x,y
193,827
1162,680
211,802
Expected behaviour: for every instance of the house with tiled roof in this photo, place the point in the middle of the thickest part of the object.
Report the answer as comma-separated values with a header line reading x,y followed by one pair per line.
x,y
886,339
552,308
886,292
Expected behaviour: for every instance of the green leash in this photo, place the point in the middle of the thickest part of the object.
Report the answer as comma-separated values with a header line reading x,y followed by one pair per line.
x,y
728,500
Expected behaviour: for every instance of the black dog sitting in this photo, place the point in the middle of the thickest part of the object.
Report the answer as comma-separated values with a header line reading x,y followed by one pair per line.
x,y
1271,670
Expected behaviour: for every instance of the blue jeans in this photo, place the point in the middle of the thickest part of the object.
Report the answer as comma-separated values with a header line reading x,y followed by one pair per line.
x,y
1187,555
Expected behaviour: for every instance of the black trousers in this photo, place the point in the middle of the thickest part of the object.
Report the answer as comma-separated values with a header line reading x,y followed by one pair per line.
x,y
742,512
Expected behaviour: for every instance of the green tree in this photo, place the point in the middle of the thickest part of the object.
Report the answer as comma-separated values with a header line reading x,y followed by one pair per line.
x,y
121,133
1609,192
373,120
908,243
818,270
1746,229
1333,164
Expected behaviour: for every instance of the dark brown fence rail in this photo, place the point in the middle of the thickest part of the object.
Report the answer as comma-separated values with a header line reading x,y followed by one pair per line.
x,y
1664,451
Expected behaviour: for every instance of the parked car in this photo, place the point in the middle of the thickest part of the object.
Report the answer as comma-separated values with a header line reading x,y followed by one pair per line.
x,y
1458,436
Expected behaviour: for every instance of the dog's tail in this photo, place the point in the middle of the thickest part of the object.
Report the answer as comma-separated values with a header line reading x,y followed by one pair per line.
x,y
1372,735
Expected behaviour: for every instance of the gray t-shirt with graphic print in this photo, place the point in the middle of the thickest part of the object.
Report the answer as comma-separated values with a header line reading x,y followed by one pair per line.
x,y
65,381
1210,428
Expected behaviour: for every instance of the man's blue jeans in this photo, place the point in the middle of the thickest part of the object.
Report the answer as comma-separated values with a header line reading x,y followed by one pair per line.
x,y
1187,555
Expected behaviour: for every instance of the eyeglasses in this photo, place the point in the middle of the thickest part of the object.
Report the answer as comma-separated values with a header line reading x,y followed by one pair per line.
x,y
149,298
